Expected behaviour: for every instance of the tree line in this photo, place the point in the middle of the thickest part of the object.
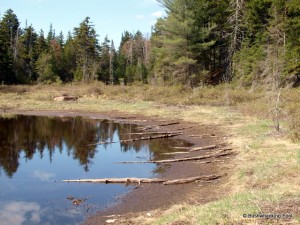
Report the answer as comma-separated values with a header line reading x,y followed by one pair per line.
x,y
198,42
27,56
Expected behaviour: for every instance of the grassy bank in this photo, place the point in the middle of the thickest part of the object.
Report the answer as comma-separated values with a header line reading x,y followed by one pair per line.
x,y
263,178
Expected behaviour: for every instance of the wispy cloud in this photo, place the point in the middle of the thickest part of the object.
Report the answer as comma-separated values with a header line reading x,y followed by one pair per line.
x,y
144,3
157,14
43,176
19,212
149,2
140,17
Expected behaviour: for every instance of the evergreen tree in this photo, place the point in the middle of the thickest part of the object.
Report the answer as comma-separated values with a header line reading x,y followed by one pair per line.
x,y
175,61
292,53
51,34
27,55
69,59
9,32
104,74
46,69
85,40
41,45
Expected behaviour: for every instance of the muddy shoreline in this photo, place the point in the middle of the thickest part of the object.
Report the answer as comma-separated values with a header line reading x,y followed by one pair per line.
x,y
156,196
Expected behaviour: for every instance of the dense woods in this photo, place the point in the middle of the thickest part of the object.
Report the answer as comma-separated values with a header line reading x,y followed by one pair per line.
x,y
198,42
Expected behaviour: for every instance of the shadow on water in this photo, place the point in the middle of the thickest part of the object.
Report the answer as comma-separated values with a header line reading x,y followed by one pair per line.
x,y
37,152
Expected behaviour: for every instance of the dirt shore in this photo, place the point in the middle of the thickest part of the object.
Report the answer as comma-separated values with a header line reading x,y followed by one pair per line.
x,y
150,197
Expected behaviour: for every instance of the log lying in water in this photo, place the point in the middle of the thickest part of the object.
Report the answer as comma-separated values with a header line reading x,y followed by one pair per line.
x,y
167,135
158,126
134,180
131,180
216,155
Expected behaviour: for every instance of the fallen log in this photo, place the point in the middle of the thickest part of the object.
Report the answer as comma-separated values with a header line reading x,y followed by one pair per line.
x,y
151,137
217,155
191,179
118,180
174,153
137,139
203,148
158,126
125,117
155,132
183,148
193,150
139,181
202,136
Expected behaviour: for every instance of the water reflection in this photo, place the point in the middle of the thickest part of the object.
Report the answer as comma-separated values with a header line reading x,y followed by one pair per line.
x,y
19,213
36,153
42,135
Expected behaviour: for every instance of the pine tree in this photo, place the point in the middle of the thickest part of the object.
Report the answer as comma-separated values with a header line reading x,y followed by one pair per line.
x,y
85,40
9,32
175,61
105,61
27,55
69,59
292,53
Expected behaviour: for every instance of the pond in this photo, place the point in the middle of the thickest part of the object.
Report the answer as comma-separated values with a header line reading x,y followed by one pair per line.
x,y
37,153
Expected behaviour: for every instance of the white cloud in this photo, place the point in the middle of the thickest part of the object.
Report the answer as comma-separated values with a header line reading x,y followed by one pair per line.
x,y
15,213
157,14
144,3
43,176
140,17
149,2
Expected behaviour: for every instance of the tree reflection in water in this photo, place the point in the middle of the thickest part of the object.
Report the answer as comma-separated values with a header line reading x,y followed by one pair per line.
x,y
45,135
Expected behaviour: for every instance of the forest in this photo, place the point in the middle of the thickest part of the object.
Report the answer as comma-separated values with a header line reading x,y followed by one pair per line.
x,y
198,42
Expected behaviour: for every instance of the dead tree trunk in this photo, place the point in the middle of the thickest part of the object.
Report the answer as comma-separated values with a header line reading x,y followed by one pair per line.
x,y
168,135
218,154
134,180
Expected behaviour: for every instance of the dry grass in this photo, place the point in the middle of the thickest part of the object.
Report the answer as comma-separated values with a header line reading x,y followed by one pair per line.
x,y
265,170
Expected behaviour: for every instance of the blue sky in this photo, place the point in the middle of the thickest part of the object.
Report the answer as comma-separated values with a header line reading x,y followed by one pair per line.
x,y
110,17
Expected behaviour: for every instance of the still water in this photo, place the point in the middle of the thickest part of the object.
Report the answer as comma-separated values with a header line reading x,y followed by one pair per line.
x,y
36,153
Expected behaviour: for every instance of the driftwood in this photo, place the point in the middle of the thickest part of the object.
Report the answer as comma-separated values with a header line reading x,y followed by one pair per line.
x,y
174,153
138,139
139,181
216,155
192,179
155,132
195,149
125,117
158,126
183,148
203,136
203,148
118,180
